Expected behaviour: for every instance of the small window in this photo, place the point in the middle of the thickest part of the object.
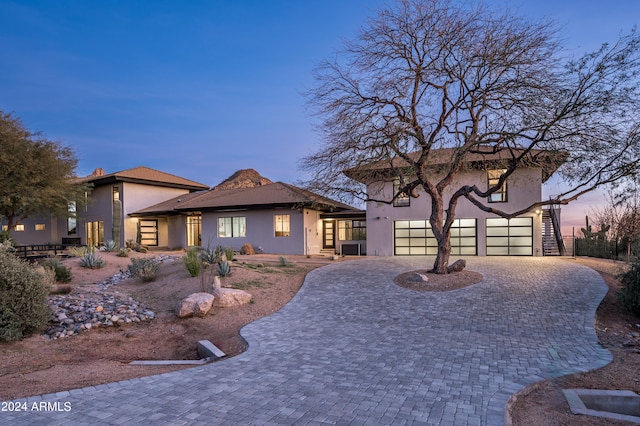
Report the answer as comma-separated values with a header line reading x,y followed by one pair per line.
x,y
282,225
5,227
19,227
500,196
40,226
116,193
402,200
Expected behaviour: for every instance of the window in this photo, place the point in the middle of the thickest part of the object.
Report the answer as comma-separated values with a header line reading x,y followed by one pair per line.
x,y
72,221
403,200
40,226
282,225
116,193
500,196
5,227
19,227
232,227
349,230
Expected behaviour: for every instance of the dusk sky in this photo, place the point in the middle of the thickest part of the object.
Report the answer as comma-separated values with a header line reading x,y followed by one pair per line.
x,y
201,89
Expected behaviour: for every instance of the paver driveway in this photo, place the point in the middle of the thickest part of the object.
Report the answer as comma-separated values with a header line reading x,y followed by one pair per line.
x,y
354,348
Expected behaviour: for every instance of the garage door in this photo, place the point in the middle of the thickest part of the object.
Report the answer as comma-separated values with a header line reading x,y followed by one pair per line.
x,y
415,238
510,237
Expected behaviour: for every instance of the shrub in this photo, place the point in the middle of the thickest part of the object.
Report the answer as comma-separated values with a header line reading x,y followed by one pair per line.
x,y
229,253
7,238
123,252
629,295
77,251
23,297
145,269
192,262
62,273
91,260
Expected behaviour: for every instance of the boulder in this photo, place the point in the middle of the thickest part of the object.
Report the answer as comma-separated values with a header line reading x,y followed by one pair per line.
x,y
457,266
196,304
418,277
247,249
228,297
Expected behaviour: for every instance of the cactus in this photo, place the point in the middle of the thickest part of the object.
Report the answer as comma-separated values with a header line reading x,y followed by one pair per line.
x,y
117,221
224,268
138,234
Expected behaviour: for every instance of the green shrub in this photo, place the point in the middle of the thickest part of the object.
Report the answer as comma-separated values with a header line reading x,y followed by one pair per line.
x,y
145,269
192,262
123,252
629,295
7,238
23,297
229,253
62,273
91,260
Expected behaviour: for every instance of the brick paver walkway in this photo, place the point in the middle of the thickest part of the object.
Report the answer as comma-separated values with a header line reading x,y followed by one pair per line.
x,y
354,348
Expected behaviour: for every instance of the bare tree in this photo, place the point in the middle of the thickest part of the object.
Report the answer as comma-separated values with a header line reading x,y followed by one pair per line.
x,y
430,74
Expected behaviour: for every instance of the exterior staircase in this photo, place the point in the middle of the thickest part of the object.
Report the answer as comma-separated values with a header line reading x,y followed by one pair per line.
x,y
552,244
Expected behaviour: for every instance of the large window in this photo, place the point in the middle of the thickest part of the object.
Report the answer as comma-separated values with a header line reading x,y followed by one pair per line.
x,y
415,237
403,200
500,196
232,227
350,230
512,237
282,225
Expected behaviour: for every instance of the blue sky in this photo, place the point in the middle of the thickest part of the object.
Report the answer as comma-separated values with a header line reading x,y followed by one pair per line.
x,y
201,89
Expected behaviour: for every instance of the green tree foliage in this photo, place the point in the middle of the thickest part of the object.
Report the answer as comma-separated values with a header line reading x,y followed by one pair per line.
x,y
23,297
37,175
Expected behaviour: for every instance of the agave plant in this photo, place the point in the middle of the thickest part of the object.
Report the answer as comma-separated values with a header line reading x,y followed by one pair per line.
x,y
91,260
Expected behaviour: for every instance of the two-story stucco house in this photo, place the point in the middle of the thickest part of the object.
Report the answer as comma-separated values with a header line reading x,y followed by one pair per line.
x,y
402,227
116,195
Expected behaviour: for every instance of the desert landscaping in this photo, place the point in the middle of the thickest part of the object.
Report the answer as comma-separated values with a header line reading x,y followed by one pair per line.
x,y
146,327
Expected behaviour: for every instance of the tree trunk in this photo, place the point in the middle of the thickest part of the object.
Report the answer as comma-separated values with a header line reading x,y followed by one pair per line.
x,y
442,259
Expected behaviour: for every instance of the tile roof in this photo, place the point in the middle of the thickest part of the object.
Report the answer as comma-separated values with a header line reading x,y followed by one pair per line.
x,y
147,176
265,196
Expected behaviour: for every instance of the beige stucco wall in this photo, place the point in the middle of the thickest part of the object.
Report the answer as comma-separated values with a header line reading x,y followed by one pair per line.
x,y
524,187
135,197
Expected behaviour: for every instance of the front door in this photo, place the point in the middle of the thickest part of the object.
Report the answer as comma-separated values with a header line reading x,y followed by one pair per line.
x,y
328,234
148,232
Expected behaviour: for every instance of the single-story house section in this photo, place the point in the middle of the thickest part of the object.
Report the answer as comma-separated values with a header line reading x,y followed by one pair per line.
x,y
274,218
402,227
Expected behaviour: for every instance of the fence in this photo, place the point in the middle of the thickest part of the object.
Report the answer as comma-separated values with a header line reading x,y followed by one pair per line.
x,y
606,249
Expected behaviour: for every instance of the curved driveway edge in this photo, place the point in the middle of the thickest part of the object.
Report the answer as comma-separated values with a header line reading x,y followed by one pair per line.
x,y
354,348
